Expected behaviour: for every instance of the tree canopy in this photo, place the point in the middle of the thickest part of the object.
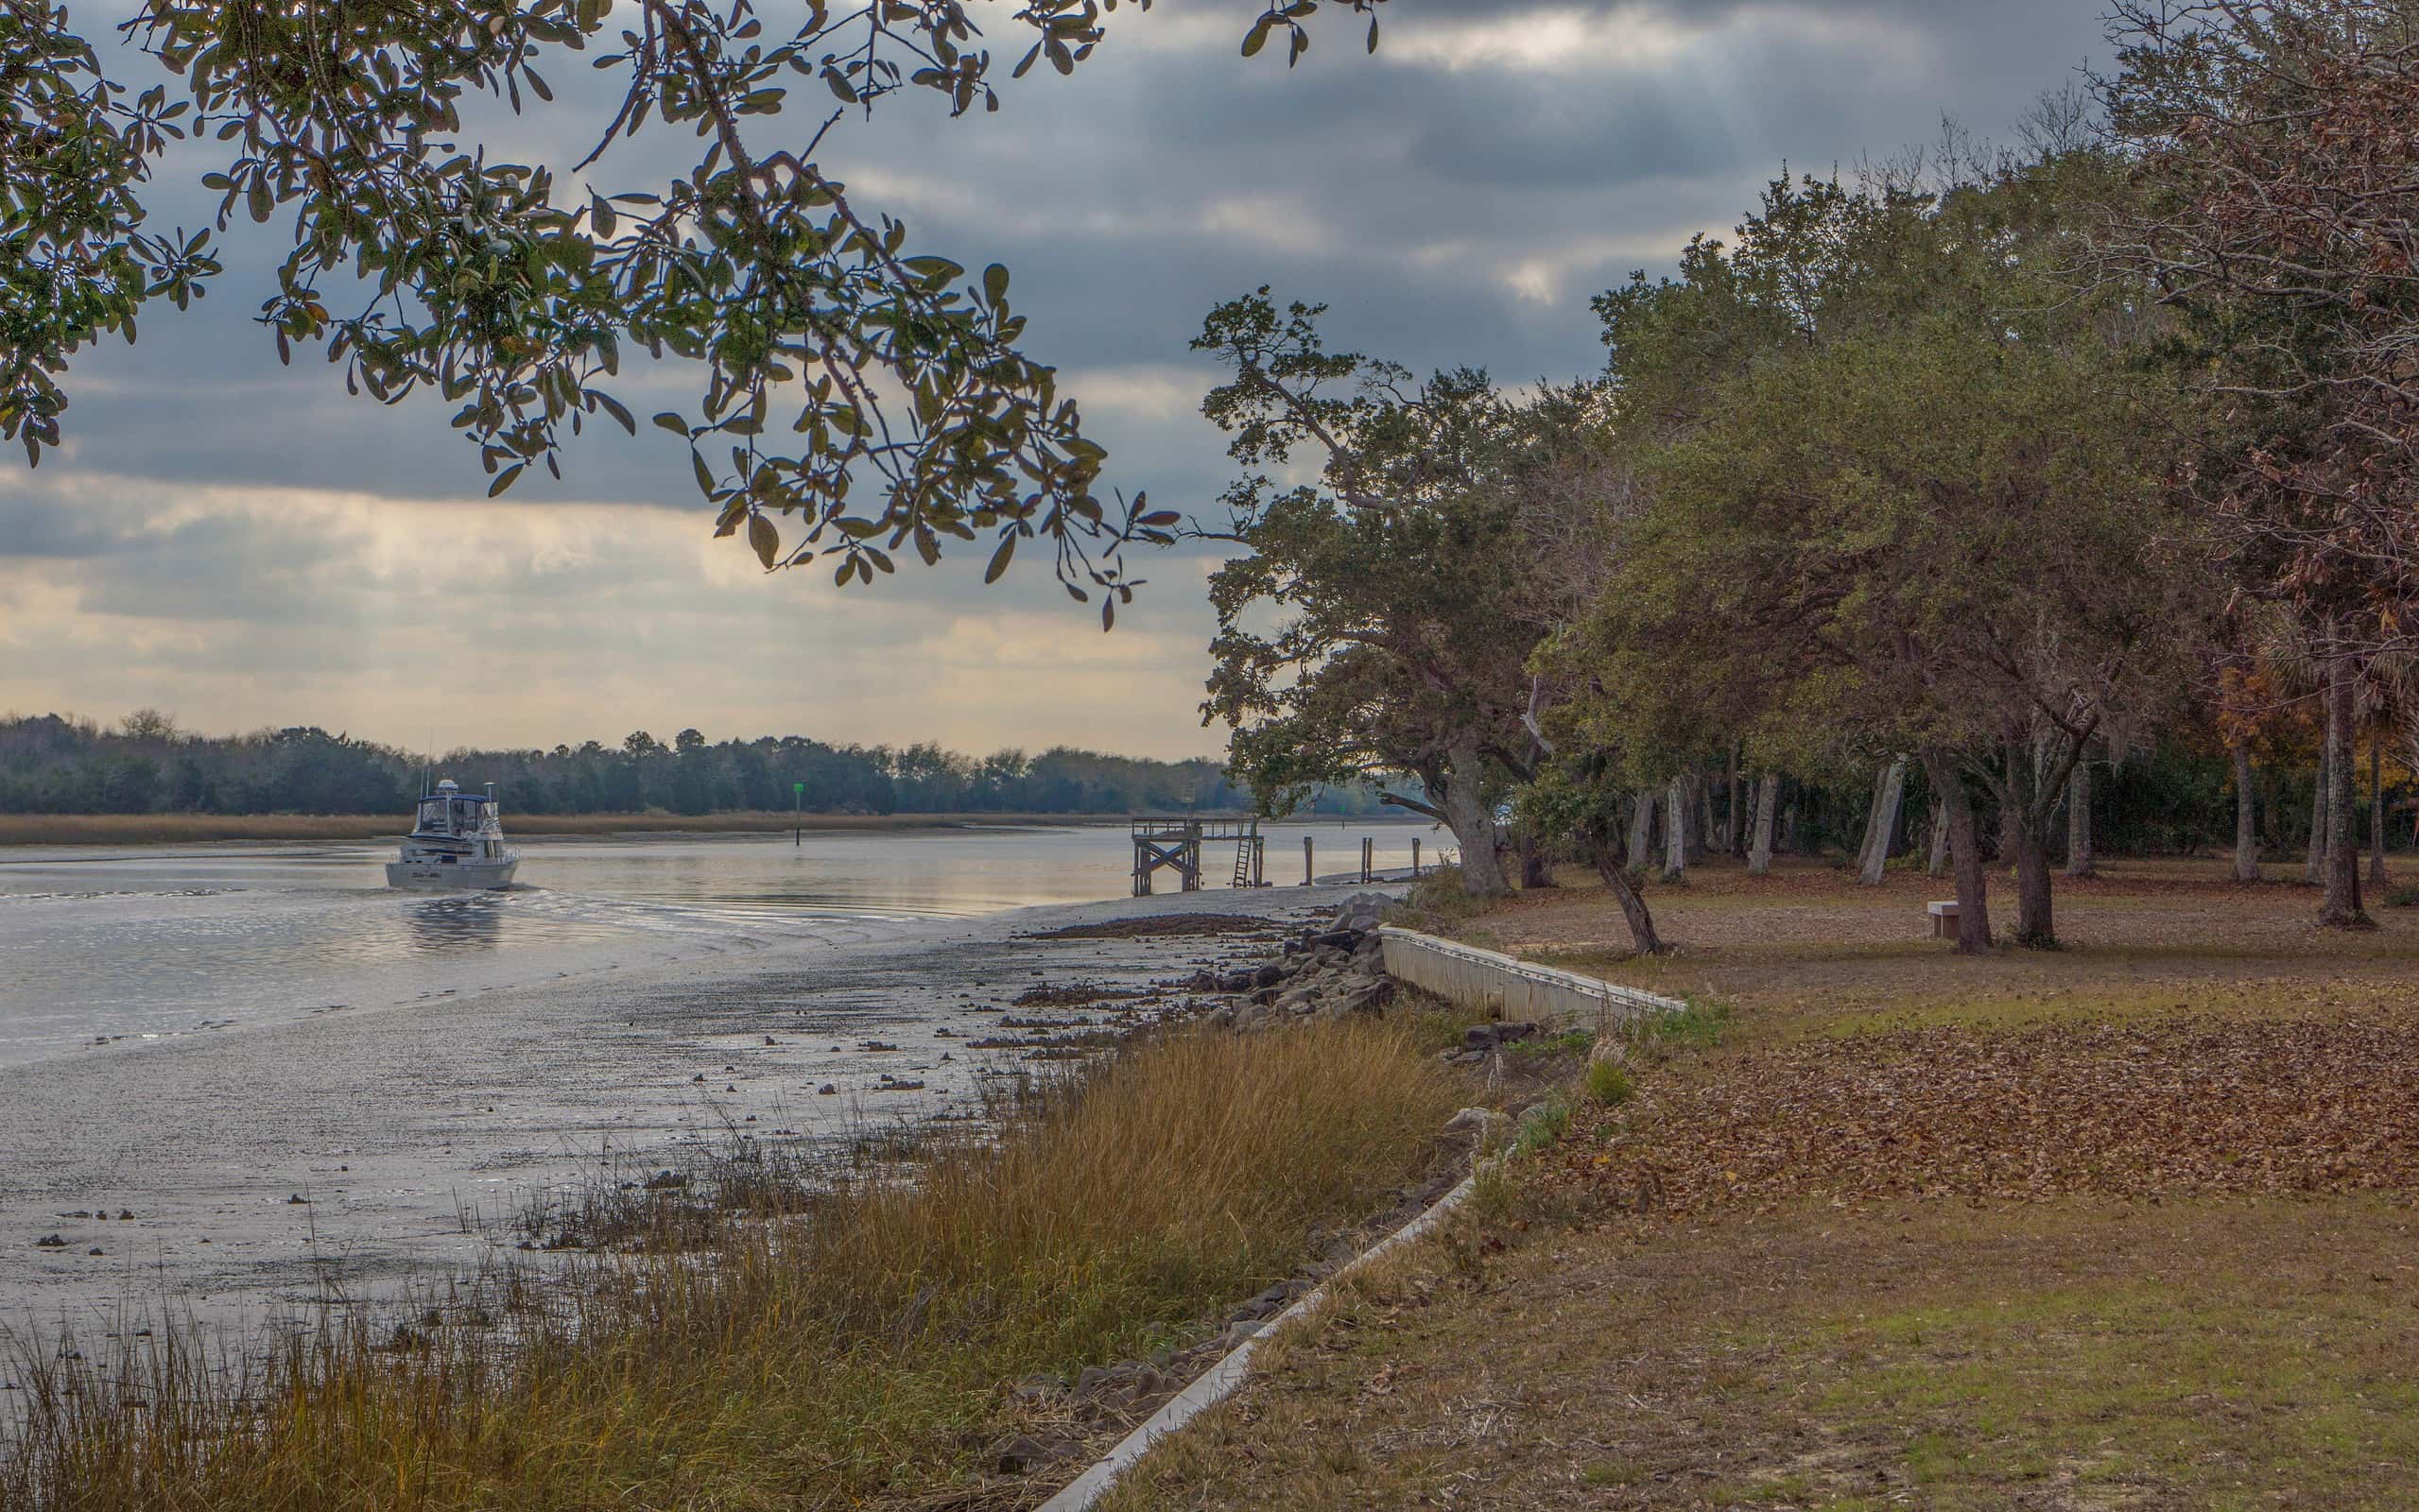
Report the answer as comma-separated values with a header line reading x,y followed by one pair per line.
x,y
859,396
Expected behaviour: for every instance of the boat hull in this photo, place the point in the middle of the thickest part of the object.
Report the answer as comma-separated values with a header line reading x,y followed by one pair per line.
x,y
461,876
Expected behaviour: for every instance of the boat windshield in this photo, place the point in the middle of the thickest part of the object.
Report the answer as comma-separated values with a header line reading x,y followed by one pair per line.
x,y
449,815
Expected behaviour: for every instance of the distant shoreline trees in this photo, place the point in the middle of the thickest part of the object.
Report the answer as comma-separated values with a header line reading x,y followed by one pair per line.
x,y
52,765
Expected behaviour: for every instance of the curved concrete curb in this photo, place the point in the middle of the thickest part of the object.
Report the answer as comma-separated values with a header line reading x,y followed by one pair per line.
x,y
1218,1382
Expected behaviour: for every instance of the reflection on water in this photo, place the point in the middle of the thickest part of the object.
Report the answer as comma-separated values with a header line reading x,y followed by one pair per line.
x,y
439,926
108,944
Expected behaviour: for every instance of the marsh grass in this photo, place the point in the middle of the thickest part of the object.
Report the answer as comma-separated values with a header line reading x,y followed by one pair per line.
x,y
843,1342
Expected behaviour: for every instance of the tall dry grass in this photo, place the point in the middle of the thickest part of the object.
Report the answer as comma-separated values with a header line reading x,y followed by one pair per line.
x,y
853,1353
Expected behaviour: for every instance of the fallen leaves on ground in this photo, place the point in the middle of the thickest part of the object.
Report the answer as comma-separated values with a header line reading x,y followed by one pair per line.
x,y
2176,1105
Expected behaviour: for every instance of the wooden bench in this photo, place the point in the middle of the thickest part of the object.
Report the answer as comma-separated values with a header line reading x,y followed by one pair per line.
x,y
1944,917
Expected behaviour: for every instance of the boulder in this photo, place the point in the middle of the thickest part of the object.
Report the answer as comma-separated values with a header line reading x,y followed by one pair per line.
x,y
1480,1123
1488,1036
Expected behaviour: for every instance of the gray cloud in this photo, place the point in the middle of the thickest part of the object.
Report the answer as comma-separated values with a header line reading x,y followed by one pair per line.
x,y
1455,199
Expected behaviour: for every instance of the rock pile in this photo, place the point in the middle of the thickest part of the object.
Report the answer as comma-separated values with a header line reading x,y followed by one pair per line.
x,y
1326,972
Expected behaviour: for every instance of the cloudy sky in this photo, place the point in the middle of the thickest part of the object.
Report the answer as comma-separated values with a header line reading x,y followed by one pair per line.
x,y
244,545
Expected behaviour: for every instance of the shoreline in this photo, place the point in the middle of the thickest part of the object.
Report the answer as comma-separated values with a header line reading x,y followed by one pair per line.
x,y
275,829
391,1124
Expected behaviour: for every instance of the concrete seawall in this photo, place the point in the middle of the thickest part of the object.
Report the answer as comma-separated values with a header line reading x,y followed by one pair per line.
x,y
1517,990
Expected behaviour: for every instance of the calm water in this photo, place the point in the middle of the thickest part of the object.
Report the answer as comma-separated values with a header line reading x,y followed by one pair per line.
x,y
98,942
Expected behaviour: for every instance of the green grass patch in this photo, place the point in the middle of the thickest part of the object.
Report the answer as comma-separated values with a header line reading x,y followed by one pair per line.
x,y
1608,1083
2126,1383
1543,1126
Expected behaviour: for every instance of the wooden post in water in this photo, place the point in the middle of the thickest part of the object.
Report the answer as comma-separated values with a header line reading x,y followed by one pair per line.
x,y
1415,858
1366,843
1307,872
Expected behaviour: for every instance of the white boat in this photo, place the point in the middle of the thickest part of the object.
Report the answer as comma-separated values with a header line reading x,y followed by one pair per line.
x,y
455,842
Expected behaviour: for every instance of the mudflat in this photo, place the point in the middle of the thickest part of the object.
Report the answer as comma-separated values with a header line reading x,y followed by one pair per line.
x,y
335,1158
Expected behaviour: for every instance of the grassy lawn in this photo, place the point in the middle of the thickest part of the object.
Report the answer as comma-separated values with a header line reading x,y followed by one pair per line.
x,y
2125,1226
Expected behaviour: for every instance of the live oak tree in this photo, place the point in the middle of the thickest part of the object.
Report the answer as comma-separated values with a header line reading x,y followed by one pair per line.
x,y
1795,267
876,395
1364,630
1577,493
1938,523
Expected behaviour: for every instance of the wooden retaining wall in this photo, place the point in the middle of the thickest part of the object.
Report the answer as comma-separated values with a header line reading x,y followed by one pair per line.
x,y
1517,990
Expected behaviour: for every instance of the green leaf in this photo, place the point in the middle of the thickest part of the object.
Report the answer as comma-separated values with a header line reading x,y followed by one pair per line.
x,y
704,473
674,423
1257,37
504,479
765,537
999,557
994,284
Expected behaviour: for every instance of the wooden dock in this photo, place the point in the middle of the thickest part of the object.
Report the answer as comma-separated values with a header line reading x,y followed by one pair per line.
x,y
1177,845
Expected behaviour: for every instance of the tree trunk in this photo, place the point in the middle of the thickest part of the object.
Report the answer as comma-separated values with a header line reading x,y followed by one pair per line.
x,y
1936,863
2341,908
1641,829
2377,814
1973,905
2246,819
2080,861
1675,830
1473,824
1536,870
1613,864
2035,927
1872,812
2012,814
2033,795
1734,822
1700,833
1768,814
2315,871
1882,824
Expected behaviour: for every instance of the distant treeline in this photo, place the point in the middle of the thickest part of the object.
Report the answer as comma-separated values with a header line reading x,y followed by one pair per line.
x,y
51,765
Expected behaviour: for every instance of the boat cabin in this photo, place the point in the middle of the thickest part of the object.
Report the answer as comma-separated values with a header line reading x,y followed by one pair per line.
x,y
450,810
